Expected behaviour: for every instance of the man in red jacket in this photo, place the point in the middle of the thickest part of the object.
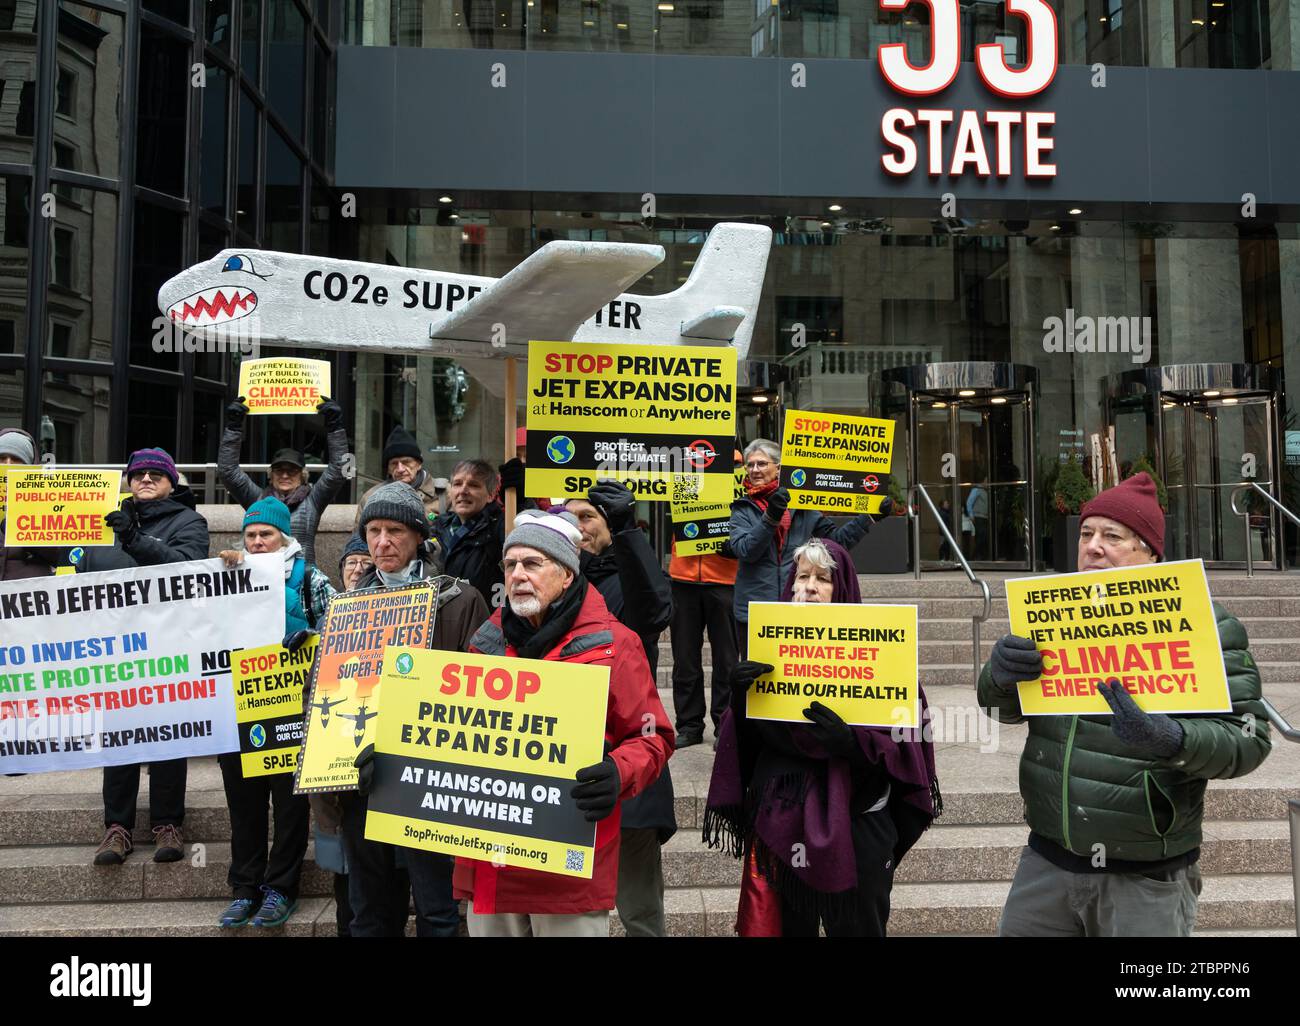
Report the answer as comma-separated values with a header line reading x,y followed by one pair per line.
x,y
551,613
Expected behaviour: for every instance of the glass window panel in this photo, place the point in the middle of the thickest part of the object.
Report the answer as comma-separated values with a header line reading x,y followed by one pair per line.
x,y
11,397
80,306
250,34
177,10
88,85
285,83
619,27
212,145
1234,34
15,197
211,242
283,195
322,115
205,433
153,416
75,417
158,251
163,106
216,24
246,192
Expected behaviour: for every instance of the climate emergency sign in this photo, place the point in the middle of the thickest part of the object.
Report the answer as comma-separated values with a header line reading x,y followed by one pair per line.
x,y
128,666
60,507
476,755
661,419
834,463
283,385
859,661
1152,627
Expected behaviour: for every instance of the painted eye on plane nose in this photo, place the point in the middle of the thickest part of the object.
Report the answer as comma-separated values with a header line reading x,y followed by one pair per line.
x,y
241,262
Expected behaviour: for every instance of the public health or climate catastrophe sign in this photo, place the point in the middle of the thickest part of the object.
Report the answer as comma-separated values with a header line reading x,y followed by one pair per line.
x,y
59,507
834,463
128,666
358,626
1150,626
283,385
476,756
268,705
661,419
858,660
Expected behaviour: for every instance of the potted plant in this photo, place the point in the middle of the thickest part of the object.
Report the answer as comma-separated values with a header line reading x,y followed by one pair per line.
x,y
1069,492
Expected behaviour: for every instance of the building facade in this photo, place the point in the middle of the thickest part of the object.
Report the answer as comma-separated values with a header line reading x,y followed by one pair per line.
x,y
1146,295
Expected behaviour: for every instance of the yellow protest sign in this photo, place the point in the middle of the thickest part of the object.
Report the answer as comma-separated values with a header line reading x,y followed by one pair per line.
x,y
60,507
835,463
5,468
283,384
476,755
661,419
1150,626
858,660
703,527
268,683
358,626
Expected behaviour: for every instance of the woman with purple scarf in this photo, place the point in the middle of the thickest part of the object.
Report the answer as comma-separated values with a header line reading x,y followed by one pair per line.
x,y
821,813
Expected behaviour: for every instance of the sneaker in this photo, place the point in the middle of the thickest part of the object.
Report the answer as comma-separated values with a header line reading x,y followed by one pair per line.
x,y
115,846
169,844
275,910
690,737
237,913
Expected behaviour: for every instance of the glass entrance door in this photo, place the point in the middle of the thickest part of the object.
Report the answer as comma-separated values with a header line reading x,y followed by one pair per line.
x,y
974,456
1213,445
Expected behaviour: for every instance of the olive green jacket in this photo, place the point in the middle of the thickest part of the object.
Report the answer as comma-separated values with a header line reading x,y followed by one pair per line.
x,y
1083,786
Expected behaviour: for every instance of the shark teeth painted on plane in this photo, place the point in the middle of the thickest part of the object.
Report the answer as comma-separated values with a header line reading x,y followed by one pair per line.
x,y
217,305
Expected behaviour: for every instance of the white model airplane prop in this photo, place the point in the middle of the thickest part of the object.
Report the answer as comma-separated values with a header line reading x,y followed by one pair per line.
x,y
564,291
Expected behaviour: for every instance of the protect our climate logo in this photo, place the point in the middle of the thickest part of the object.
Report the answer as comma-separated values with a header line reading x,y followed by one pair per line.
x,y
691,530
560,449
257,735
405,663
798,477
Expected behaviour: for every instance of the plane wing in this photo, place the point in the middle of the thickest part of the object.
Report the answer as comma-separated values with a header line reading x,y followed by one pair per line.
x,y
550,294
718,324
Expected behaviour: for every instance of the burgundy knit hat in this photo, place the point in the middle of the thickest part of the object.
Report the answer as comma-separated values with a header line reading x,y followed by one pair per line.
x,y
152,459
1132,503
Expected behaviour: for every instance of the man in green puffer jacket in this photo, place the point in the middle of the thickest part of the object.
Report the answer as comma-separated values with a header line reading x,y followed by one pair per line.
x,y
1114,804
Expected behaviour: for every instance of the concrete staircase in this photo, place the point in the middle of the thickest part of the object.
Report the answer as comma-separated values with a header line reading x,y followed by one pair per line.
x,y
953,882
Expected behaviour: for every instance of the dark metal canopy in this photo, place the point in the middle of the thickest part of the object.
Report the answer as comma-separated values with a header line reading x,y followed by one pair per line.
x,y
950,378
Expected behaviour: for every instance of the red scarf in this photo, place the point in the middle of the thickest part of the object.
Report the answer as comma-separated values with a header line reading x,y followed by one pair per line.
x,y
759,496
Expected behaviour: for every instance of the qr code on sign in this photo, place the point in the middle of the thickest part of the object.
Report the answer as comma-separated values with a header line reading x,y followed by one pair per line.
x,y
575,860
686,488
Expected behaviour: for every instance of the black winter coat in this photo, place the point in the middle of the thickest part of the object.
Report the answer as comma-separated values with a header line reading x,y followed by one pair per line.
x,y
171,531
640,596
475,554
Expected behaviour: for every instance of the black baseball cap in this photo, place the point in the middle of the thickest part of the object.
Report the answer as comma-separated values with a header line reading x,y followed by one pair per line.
x,y
289,456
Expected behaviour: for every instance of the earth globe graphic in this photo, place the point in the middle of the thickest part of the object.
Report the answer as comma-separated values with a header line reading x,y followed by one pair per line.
x,y
257,735
560,449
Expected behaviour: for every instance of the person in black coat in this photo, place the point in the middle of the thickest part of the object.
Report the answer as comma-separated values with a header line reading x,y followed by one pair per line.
x,y
471,533
157,525
616,557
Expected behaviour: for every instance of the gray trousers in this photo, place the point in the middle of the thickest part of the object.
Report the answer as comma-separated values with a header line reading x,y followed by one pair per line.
x,y
510,924
1047,901
640,898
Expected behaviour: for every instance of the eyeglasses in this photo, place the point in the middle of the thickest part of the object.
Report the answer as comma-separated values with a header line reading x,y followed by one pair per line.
x,y
758,464
531,565
150,475
356,563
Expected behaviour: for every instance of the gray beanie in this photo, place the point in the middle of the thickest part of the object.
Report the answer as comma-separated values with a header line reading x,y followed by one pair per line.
x,y
398,501
555,533
19,444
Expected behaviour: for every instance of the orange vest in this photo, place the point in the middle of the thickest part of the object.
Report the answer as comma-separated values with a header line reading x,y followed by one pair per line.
x,y
710,569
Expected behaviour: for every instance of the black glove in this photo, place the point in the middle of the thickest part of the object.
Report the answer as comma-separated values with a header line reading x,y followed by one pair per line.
x,y
235,414
1155,734
615,502
331,411
745,673
124,522
831,732
512,475
294,640
886,508
1015,659
776,505
365,764
597,789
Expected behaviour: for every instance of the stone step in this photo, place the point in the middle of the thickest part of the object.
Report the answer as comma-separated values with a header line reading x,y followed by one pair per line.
x,y
1246,904
986,853
63,873
314,917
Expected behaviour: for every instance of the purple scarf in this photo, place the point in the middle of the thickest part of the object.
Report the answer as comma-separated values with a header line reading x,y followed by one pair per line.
x,y
807,801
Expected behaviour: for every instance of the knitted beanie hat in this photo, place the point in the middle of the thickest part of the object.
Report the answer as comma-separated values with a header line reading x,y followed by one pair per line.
x,y
398,501
401,443
555,533
1132,503
269,511
152,459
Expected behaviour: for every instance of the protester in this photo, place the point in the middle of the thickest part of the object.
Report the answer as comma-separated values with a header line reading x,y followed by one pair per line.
x,y
404,463
512,473
470,533
397,531
288,477
20,562
271,883
616,557
552,613
156,525
765,533
1114,804
355,562
821,813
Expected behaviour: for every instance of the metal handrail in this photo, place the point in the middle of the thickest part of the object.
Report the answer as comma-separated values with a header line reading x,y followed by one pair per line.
x,y
970,574
1245,516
